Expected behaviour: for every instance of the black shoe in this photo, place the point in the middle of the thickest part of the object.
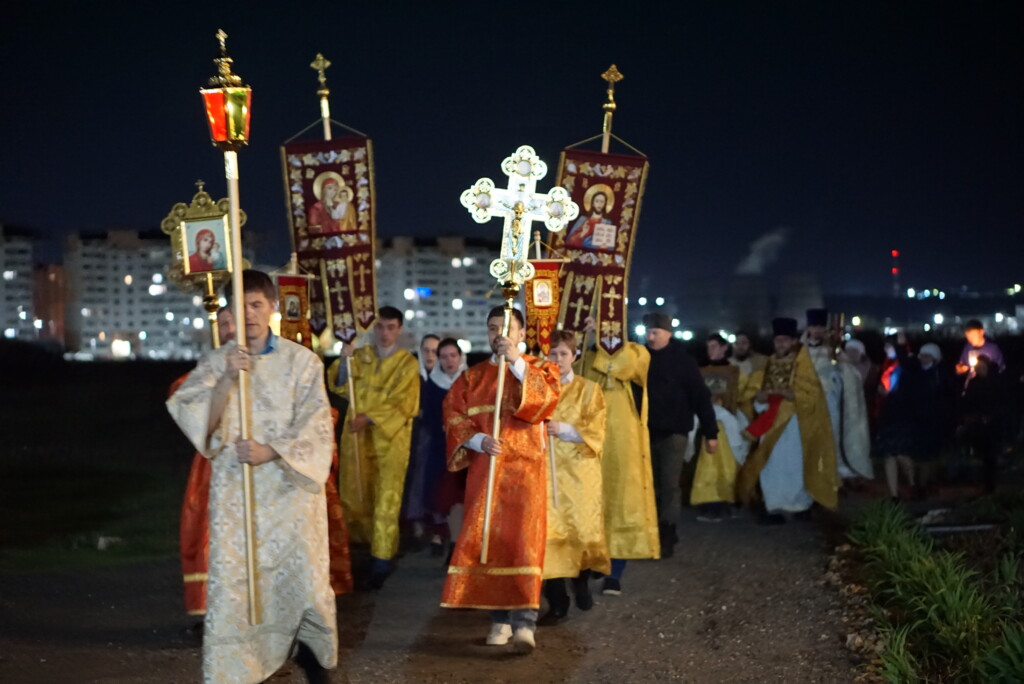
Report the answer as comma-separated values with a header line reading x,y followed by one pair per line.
x,y
436,549
315,672
552,618
581,590
771,519
611,587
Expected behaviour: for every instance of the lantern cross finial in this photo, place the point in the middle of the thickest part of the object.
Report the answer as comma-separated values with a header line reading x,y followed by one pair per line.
x,y
519,204
222,38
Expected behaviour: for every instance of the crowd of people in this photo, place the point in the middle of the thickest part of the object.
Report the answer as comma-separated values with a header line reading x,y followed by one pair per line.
x,y
527,477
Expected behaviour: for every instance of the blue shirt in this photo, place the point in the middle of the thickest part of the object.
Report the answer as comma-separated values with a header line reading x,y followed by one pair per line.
x,y
989,349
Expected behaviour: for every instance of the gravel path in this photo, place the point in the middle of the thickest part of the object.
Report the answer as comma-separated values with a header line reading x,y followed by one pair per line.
x,y
738,603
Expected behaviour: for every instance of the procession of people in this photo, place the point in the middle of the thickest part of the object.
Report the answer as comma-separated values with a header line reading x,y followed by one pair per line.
x,y
594,460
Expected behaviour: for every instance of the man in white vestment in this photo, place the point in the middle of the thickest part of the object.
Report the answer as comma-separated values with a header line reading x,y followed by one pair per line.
x,y
290,450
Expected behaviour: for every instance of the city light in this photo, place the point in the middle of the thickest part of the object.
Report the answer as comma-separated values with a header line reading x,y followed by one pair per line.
x,y
121,349
927,327
142,335
198,323
169,316
465,345
642,301
456,262
675,322
223,301
23,315
640,330
660,301
186,320
467,261
687,335
1016,288
197,300
457,304
9,275
938,318
158,278
731,338
128,279
911,292
10,333
855,321
409,294
409,314
37,324
86,312
942,295
678,334
999,318
156,290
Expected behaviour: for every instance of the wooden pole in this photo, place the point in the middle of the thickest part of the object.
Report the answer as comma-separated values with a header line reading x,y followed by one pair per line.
x,y
238,295
495,434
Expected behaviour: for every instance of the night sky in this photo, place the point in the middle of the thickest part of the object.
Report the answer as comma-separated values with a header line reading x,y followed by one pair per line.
x,y
857,127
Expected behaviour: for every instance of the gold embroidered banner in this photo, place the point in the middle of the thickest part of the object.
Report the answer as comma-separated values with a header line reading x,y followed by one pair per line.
x,y
542,305
331,208
293,304
599,244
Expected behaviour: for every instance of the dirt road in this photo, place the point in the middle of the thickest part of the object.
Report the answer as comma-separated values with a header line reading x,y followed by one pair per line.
x,y
738,603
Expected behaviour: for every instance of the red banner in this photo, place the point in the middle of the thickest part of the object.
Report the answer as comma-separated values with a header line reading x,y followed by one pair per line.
x,y
332,209
293,305
599,244
542,305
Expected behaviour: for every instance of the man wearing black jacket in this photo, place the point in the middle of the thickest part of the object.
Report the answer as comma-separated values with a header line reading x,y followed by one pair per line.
x,y
676,391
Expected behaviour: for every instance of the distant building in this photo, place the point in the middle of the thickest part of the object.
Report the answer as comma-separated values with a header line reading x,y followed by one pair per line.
x,y
17,317
119,303
49,301
442,285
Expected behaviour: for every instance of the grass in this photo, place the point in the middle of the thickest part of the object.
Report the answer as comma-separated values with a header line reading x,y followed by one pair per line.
x,y
88,451
944,620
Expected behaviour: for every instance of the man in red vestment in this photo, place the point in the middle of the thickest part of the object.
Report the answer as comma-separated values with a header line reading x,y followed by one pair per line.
x,y
509,585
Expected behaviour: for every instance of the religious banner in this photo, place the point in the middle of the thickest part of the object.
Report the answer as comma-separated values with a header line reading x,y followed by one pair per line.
x,y
599,244
331,208
293,303
542,305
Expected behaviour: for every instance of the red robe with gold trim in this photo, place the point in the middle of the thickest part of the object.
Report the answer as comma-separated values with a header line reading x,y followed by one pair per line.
x,y
512,577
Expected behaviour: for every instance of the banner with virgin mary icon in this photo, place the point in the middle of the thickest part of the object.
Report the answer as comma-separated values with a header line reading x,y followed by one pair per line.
x,y
331,210
599,244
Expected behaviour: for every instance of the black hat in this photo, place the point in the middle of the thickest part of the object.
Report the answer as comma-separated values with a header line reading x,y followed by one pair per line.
x,y
784,326
658,320
817,317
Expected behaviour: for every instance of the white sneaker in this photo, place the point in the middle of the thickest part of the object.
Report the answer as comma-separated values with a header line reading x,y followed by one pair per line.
x,y
500,634
523,641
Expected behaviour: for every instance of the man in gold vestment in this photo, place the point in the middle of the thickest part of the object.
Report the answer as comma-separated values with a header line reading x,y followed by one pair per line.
x,y
576,538
387,388
630,512
509,584
795,459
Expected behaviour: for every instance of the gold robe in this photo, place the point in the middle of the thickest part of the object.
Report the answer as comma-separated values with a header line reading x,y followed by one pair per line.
x,y
388,392
576,537
714,478
630,515
817,444
290,413
511,578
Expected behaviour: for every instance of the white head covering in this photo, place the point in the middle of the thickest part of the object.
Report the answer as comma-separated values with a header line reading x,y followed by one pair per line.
x,y
442,379
858,345
932,350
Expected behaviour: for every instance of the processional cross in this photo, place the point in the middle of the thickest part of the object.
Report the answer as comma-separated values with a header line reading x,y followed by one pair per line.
x,y
520,204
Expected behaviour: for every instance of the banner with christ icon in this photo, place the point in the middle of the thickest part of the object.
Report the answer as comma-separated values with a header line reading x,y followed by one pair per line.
x,y
599,244
331,209
542,305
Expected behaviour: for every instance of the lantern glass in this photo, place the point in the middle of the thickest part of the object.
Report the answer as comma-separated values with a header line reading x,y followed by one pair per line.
x,y
227,110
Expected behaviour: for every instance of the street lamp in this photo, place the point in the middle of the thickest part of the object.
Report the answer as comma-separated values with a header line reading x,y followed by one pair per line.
x,y
228,108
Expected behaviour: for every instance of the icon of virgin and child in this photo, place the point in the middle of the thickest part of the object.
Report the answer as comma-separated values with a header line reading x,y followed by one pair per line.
x,y
333,212
594,230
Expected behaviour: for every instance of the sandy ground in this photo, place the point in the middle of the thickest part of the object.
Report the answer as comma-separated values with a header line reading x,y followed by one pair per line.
x,y
737,603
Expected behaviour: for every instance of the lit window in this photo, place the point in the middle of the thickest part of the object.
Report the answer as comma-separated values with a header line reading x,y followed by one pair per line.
x,y
457,304
169,316
128,279
9,275
9,333
409,293
640,330
642,301
158,278
687,335
142,335
660,301
456,262
409,314
198,323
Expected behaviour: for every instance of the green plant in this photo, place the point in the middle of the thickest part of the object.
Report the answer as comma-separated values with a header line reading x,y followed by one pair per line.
x,y
1004,663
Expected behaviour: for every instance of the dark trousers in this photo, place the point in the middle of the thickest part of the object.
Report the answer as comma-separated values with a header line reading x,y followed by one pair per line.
x,y
667,453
